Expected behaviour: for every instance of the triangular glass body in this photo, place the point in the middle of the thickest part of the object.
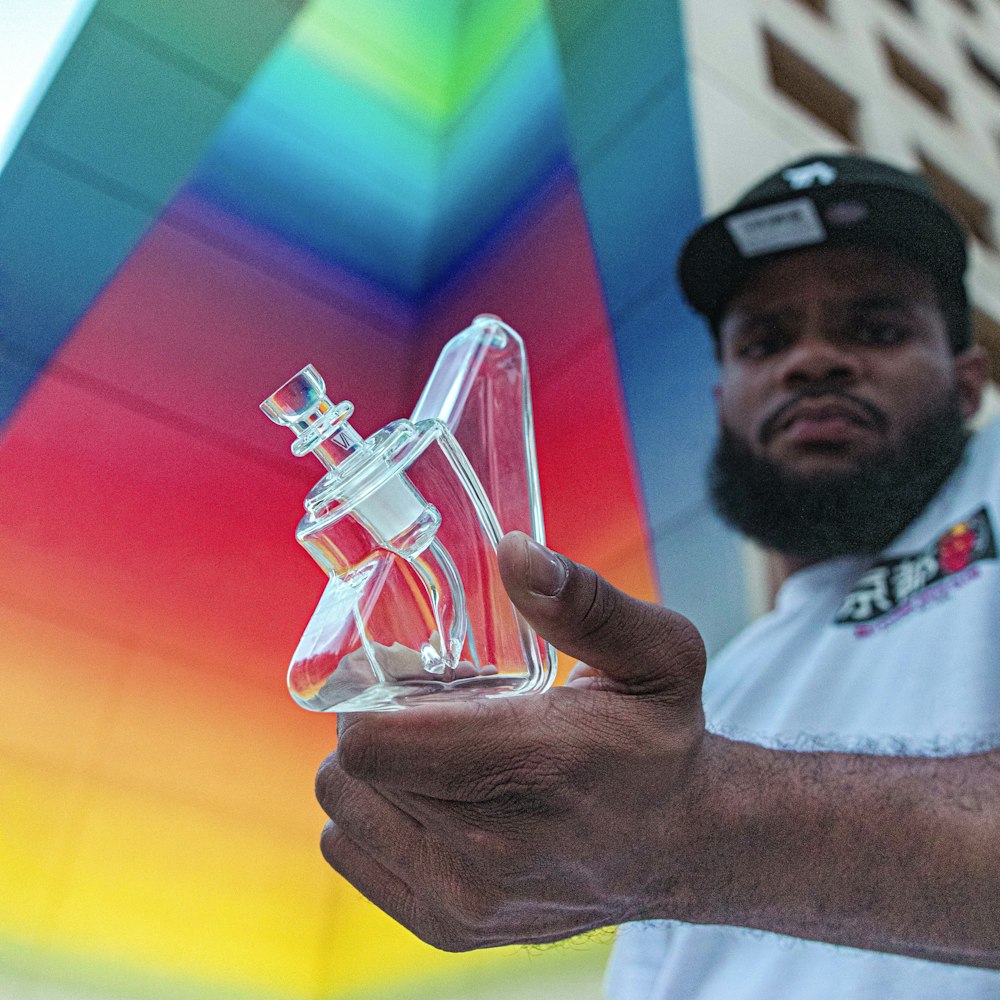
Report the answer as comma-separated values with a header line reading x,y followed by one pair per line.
x,y
406,525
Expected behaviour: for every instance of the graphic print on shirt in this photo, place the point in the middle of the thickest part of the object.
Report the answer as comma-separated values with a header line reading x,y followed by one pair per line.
x,y
896,587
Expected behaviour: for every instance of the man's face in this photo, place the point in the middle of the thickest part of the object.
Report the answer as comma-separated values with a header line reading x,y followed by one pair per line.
x,y
840,402
831,355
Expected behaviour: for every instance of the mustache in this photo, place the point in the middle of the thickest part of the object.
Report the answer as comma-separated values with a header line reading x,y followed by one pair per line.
x,y
875,416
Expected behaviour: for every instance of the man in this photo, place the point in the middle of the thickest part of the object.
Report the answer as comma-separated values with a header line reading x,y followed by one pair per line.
x,y
846,791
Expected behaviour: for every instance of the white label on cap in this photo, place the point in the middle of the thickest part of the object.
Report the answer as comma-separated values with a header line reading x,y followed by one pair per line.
x,y
776,227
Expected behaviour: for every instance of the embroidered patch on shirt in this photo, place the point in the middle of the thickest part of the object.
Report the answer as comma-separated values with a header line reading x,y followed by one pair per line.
x,y
895,587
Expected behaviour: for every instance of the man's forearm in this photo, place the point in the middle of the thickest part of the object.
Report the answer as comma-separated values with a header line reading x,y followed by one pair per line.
x,y
895,854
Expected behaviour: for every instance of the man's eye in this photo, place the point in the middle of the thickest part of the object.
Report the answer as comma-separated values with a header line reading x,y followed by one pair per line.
x,y
882,333
760,346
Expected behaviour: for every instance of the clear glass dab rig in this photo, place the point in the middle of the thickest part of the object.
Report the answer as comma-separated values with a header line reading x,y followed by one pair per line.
x,y
406,525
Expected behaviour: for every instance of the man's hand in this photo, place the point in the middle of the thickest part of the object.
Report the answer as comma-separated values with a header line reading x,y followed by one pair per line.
x,y
530,819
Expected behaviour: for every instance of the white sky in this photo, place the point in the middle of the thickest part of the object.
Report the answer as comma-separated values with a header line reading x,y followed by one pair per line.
x,y
35,36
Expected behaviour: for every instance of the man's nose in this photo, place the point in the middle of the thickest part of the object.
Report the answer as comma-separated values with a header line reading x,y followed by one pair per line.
x,y
817,358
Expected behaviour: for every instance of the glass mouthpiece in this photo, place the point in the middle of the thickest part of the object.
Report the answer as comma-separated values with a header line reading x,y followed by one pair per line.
x,y
302,405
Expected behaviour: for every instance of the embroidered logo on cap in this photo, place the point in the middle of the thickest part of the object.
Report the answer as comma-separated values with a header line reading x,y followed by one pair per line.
x,y
846,213
809,175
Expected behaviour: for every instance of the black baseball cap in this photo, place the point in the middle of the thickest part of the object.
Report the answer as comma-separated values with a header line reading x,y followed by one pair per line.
x,y
828,200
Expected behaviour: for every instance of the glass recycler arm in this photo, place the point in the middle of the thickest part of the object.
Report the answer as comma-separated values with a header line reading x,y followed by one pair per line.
x,y
397,517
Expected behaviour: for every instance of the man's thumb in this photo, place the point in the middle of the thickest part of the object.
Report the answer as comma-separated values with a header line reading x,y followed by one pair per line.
x,y
642,647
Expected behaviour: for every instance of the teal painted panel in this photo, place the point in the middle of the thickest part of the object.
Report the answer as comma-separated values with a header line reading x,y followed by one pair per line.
x,y
623,59
123,112
61,239
126,119
326,107
229,38
642,199
632,136
572,18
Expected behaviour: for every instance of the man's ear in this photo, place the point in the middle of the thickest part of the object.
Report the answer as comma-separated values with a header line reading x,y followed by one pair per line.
x,y
971,374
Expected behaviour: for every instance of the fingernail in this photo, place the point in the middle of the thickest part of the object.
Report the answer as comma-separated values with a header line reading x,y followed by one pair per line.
x,y
547,572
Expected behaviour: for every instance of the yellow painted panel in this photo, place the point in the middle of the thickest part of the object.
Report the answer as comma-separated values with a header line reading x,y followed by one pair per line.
x,y
170,887
39,811
240,748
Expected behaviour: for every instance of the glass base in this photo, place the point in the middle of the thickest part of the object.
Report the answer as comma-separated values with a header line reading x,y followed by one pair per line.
x,y
393,697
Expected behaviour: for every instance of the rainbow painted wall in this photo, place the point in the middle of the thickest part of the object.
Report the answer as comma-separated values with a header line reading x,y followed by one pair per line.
x,y
210,195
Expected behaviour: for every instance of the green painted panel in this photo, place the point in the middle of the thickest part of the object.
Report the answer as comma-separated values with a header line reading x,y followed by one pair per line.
x,y
490,29
401,50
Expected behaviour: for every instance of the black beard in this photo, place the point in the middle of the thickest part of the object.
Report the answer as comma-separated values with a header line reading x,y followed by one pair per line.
x,y
856,512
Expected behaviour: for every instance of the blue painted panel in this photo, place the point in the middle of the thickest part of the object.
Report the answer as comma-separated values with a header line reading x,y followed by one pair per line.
x,y
701,575
668,370
320,202
499,152
632,135
16,377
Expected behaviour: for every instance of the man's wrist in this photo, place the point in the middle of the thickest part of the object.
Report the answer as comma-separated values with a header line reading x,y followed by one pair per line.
x,y
733,836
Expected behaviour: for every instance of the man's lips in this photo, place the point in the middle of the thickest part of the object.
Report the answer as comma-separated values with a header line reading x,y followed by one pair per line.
x,y
805,428
827,418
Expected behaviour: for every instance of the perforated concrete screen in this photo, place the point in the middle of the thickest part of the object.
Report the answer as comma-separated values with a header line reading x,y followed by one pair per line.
x,y
915,83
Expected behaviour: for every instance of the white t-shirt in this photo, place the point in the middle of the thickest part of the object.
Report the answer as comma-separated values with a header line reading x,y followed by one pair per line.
x,y
899,656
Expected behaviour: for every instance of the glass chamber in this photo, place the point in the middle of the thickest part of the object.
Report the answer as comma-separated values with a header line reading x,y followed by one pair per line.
x,y
406,525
